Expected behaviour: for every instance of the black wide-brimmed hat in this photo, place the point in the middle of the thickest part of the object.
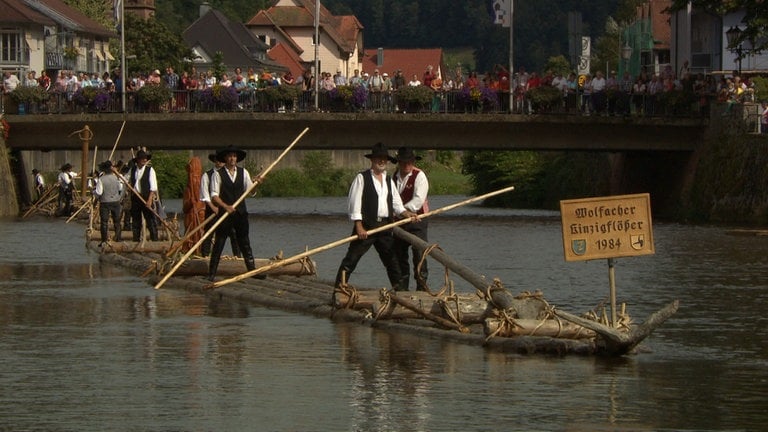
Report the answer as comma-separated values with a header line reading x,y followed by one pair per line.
x,y
105,166
231,149
406,154
66,167
141,154
35,171
212,157
380,150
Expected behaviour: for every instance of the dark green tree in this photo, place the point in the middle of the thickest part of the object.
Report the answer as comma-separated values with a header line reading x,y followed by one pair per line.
x,y
153,44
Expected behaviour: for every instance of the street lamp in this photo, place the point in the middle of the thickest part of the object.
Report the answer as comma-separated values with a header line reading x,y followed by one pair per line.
x,y
732,35
626,54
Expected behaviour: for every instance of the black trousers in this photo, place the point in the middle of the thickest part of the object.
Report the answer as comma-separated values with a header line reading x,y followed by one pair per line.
x,y
107,209
419,229
205,248
139,210
239,223
384,244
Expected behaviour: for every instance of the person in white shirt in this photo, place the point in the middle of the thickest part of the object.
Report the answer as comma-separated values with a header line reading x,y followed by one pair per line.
x,y
413,187
39,183
211,209
66,189
144,181
10,82
372,203
228,185
109,192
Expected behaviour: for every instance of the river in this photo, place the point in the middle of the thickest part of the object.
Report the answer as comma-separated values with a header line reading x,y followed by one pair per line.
x,y
87,346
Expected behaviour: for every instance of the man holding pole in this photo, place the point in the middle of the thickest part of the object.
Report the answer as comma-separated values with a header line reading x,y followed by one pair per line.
x,y
211,209
373,202
413,187
144,181
228,184
109,192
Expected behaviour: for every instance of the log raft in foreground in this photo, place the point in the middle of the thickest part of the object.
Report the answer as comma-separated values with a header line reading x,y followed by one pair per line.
x,y
491,317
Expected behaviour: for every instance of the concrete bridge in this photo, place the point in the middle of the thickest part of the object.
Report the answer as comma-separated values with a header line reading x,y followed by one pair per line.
x,y
337,131
647,154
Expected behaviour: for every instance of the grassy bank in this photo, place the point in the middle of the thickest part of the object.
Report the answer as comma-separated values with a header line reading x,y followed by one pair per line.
x,y
316,176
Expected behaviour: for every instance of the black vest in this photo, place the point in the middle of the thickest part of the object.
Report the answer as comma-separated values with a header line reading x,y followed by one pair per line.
x,y
370,201
230,191
144,181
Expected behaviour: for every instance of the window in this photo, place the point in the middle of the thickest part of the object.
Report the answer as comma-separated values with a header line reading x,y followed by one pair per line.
x,y
11,46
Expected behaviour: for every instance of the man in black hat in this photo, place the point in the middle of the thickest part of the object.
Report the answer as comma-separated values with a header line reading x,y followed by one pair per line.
x,y
373,202
211,209
66,189
413,187
109,192
39,183
144,180
228,184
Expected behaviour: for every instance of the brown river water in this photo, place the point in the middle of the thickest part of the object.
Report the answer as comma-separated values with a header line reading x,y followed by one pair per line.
x,y
86,346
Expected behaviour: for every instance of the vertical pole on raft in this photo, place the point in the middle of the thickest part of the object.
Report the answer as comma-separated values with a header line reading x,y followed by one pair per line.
x,y
612,286
85,137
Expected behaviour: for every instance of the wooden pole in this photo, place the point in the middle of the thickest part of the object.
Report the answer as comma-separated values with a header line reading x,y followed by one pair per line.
x,y
85,136
224,216
40,201
116,141
353,237
135,192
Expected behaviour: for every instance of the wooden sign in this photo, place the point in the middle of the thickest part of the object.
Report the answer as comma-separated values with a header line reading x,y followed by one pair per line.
x,y
607,227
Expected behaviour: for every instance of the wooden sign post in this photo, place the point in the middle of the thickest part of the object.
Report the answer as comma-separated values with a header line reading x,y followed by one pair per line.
x,y
607,227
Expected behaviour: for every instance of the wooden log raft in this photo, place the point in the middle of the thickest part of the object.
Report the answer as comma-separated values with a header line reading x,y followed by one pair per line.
x,y
464,308
613,341
231,266
95,234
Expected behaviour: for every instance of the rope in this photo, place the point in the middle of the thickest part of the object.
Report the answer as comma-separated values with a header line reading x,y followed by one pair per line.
x,y
445,304
386,301
347,290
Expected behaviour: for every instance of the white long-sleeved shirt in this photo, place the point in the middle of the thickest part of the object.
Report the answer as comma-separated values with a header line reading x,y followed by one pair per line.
x,y
355,202
216,181
205,187
420,190
152,179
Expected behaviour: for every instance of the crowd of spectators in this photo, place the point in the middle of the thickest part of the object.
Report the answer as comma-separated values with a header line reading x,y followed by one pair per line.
x,y
648,94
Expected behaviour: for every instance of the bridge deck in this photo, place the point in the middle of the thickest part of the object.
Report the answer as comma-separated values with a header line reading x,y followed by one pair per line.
x,y
176,131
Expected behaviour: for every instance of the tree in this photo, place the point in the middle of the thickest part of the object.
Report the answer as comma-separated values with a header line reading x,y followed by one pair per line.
x,y
755,18
153,44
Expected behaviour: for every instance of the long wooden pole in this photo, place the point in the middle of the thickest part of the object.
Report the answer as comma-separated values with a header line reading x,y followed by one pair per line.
x,y
354,237
225,215
138,195
112,153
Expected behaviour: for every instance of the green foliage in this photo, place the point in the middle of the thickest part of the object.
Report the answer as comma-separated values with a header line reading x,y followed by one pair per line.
x,y
218,69
761,88
545,98
171,172
282,93
541,179
559,65
25,94
153,44
317,177
418,95
97,10
154,94
493,170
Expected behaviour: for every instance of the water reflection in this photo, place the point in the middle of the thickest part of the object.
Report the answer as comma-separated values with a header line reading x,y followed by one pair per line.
x,y
90,346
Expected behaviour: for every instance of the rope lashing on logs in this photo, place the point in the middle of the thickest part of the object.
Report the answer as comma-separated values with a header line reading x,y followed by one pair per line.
x,y
386,302
348,290
505,322
454,316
